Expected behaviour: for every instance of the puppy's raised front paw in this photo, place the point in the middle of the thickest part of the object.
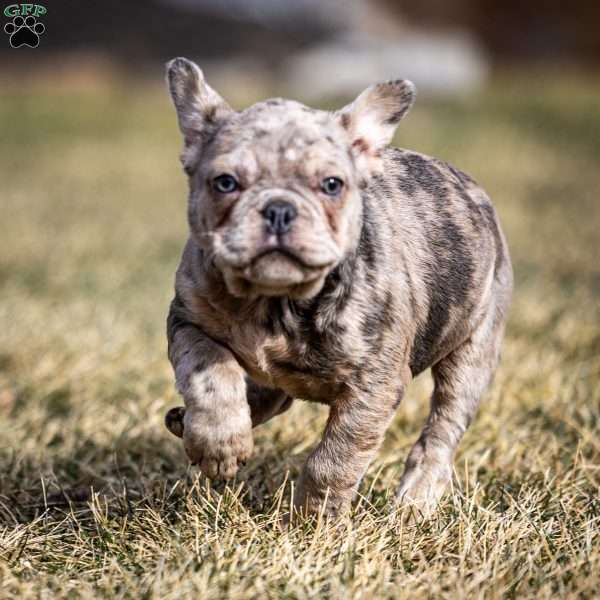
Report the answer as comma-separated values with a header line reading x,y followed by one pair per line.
x,y
217,448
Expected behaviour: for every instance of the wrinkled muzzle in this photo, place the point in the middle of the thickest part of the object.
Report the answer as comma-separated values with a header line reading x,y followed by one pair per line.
x,y
276,245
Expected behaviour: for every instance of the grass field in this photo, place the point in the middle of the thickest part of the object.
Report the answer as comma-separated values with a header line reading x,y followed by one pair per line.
x,y
96,498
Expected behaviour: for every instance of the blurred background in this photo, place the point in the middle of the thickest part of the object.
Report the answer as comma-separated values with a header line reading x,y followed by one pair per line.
x,y
92,215
92,223
311,48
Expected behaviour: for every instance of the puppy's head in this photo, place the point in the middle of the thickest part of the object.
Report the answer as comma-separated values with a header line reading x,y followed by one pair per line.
x,y
275,189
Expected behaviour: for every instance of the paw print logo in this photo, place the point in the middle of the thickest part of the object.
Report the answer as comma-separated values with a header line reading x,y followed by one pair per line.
x,y
24,31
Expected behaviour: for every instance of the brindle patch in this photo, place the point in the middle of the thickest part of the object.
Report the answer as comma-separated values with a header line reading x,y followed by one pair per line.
x,y
425,174
492,222
368,241
449,275
377,323
290,367
280,318
462,177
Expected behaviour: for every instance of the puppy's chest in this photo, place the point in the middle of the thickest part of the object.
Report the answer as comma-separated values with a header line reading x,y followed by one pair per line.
x,y
308,366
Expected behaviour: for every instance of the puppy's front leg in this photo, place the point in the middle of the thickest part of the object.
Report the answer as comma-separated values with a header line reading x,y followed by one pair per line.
x,y
217,428
354,431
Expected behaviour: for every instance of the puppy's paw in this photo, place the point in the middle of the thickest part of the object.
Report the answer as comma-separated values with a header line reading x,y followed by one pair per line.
x,y
311,499
422,486
330,508
217,448
174,420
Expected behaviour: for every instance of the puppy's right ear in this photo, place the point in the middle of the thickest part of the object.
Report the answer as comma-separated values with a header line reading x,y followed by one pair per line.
x,y
199,108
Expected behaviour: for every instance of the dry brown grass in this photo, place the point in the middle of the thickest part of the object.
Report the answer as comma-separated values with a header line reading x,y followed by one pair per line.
x,y
95,495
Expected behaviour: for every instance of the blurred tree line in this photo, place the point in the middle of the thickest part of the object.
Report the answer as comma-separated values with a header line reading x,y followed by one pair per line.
x,y
138,31
513,30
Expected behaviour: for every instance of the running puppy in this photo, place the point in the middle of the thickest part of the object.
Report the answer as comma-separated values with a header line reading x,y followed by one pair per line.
x,y
324,264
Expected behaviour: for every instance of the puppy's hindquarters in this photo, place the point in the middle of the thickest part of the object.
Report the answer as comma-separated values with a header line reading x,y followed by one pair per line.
x,y
460,380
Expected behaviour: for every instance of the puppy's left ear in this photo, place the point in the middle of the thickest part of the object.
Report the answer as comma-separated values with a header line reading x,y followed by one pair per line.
x,y
199,108
372,118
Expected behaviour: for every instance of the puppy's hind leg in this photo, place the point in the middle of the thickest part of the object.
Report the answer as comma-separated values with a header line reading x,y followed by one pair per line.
x,y
461,379
266,403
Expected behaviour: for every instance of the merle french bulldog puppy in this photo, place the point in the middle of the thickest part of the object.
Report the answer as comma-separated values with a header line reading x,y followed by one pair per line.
x,y
326,265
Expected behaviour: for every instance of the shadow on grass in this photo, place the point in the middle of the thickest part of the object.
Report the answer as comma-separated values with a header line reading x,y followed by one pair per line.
x,y
146,471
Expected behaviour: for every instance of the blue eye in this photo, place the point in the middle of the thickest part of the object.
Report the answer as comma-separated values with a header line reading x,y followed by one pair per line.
x,y
225,184
332,186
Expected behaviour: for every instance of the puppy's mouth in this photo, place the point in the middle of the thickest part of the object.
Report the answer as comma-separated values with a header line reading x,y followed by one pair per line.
x,y
280,268
281,252
280,271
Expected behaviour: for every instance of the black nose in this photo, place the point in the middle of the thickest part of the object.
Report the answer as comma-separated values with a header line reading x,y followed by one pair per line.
x,y
279,216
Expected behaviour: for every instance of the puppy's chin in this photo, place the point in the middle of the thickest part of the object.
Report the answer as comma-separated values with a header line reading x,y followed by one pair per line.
x,y
275,274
